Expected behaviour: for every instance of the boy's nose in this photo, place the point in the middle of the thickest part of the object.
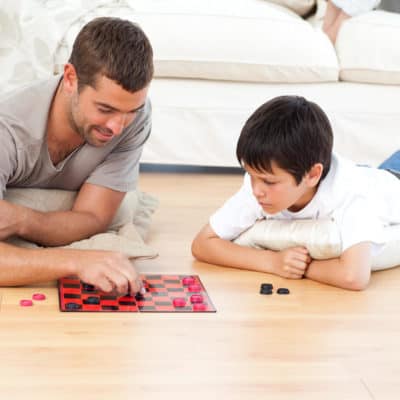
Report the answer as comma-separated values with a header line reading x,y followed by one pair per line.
x,y
258,191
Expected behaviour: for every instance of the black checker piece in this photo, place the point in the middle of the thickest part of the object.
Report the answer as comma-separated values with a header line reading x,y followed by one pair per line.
x,y
283,290
93,300
73,306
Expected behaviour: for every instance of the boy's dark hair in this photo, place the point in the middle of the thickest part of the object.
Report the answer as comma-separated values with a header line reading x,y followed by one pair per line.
x,y
115,48
290,131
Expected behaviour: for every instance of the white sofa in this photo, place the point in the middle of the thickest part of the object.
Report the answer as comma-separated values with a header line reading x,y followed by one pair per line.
x,y
217,60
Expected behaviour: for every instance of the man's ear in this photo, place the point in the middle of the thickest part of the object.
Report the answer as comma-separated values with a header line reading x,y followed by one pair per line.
x,y
313,176
70,80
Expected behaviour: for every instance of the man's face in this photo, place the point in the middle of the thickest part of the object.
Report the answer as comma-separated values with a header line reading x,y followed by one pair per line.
x,y
101,113
277,190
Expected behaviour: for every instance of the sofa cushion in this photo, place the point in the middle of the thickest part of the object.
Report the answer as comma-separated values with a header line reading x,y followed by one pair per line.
x,y
236,40
266,45
300,7
368,48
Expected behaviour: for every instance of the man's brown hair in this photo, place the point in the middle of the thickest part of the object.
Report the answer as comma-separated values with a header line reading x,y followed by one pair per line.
x,y
115,48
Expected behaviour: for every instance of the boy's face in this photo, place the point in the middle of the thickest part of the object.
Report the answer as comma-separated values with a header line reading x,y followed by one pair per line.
x,y
277,190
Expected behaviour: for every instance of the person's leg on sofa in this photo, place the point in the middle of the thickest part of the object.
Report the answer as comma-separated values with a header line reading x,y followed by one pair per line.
x,y
392,163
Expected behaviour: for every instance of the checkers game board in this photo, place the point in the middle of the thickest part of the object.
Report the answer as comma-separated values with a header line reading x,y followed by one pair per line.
x,y
165,293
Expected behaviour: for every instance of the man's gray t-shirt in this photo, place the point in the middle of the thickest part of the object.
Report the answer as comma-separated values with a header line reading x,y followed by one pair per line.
x,y
24,155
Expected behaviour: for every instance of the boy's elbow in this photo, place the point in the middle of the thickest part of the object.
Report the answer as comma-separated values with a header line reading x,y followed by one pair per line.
x,y
355,264
356,281
196,249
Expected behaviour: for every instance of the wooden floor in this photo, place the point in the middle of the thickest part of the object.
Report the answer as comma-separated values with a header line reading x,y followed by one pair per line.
x,y
317,343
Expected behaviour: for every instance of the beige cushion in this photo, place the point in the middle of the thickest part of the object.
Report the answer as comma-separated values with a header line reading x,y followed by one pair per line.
x,y
368,48
321,238
300,7
268,46
126,232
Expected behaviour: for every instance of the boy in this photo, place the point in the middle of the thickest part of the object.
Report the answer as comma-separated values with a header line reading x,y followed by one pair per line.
x,y
285,148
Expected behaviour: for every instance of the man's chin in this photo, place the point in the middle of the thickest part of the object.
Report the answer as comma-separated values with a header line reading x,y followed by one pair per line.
x,y
96,139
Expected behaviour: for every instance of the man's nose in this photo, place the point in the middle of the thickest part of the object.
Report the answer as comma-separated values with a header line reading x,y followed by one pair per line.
x,y
116,124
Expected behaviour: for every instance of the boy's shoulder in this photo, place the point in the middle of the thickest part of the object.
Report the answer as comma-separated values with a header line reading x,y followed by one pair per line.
x,y
347,180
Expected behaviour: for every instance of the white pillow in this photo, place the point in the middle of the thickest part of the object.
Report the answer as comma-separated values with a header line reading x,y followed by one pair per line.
x,y
236,40
300,7
268,46
368,48
321,238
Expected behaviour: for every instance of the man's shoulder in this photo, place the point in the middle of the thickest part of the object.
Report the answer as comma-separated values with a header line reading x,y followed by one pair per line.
x,y
25,109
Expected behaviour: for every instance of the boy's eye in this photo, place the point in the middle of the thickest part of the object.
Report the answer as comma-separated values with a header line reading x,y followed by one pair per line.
x,y
268,182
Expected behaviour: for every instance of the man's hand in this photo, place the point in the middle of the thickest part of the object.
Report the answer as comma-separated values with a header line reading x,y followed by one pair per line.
x,y
109,272
11,217
291,263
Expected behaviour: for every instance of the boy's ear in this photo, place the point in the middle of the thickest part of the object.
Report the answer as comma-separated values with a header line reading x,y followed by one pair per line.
x,y
313,176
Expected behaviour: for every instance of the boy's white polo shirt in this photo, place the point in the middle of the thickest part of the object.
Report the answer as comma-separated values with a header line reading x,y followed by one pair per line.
x,y
361,200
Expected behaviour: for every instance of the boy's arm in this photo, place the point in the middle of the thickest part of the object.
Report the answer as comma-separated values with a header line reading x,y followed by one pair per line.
x,y
351,270
209,247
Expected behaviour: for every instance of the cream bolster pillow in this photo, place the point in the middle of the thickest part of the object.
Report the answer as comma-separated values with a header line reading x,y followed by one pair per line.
x,y
46,200
125,234
368,48
321,238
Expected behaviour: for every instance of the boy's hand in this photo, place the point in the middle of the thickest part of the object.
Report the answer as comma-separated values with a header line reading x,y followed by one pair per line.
x,y
292,263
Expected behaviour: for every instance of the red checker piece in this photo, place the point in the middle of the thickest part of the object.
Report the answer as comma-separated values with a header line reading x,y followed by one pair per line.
x,y
196,298
199,307
26,303
179,302
195,288
188,280
38,296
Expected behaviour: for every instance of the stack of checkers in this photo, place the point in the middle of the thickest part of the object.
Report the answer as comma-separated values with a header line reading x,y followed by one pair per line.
x,y
267,288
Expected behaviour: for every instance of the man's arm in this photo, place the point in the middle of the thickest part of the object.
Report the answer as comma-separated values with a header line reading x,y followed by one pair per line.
x,y
93,210
352,270
290,263
109,271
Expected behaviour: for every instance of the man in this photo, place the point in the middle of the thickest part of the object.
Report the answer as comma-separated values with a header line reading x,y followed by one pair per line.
x,y
84,131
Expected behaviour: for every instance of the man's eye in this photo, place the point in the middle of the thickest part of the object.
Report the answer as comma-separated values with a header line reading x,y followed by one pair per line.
x,y
137,112
104,110
268,182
